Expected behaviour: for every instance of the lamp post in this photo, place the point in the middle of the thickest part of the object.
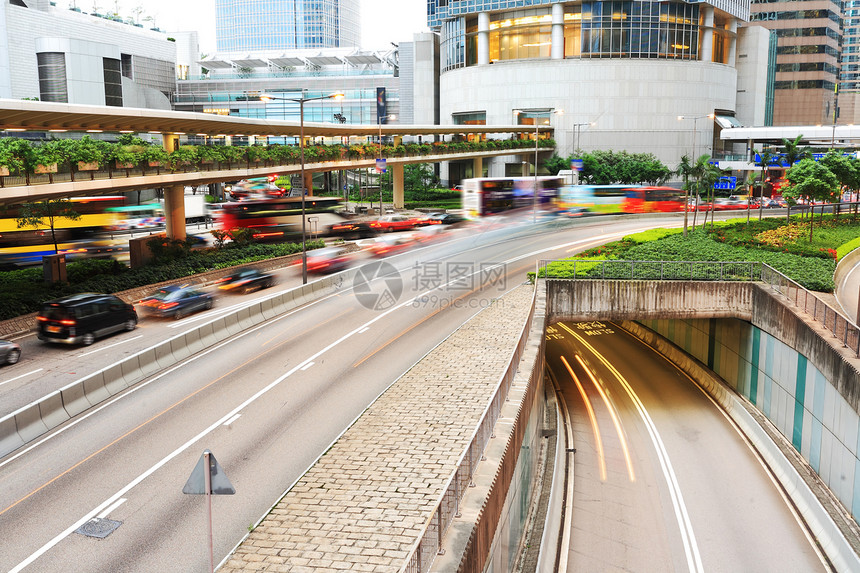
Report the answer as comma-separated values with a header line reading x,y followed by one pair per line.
x,y
379,120
694,159
537,141
301,101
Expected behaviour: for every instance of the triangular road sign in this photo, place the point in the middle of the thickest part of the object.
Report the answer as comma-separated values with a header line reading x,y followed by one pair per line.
x,y
196,484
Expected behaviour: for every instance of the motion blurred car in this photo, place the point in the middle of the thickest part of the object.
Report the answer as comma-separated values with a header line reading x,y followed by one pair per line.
x,y
81,318
327,260
246,280
390,223
448,218
176,301
385,246
9,352
352,229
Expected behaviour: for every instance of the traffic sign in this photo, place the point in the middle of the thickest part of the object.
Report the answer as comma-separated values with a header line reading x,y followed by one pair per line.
x,y
380,165
576,164
219,484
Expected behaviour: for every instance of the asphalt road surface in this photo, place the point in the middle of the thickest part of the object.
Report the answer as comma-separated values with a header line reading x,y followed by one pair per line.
x,y
267,403
663,481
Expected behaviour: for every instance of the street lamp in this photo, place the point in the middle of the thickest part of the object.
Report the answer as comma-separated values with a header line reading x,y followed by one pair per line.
x,y
537,140
379,120
301,101
695,119
693,159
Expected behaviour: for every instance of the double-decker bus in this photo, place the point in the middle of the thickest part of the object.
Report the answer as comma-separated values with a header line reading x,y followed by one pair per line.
x,y
280,218
20,246
653,200
491,195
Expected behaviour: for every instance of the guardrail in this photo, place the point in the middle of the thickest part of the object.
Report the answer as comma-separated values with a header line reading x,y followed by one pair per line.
x,y
448,506
592,269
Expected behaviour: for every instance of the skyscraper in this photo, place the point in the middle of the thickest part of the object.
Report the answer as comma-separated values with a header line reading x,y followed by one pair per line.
x,y
271,25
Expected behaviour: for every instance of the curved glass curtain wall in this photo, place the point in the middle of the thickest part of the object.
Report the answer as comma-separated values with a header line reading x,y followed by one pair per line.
x,y
616,29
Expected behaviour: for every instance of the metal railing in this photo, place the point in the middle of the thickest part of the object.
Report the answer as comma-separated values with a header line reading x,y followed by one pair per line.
x,y
847,332
448,506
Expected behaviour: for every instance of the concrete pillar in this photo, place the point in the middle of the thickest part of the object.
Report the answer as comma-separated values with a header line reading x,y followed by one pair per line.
x,y
483,38
174,211
733,42
557,51
478,167
397,173
707,54
174,197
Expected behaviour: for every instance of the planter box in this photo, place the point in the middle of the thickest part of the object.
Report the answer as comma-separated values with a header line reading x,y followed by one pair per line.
x,y
40,169
4,171
88,165
207,162
122,165
155,164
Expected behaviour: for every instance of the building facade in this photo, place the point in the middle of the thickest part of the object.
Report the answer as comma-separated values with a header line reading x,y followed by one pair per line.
x,y
809,57
251,26
622,72
63,55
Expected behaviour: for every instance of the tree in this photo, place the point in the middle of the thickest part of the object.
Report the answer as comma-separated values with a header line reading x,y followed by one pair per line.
x,y
845,171
810,179
608,167
710,175
793,152
47,213
685,170
556,163
750,183
765,156
697,172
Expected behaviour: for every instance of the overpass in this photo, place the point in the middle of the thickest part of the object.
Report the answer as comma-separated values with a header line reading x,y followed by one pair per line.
x,y
20,116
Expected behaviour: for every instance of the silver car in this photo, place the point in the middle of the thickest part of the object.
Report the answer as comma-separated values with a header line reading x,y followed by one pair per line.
x,y
9,352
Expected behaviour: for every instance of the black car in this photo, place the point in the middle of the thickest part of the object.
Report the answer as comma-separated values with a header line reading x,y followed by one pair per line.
x,y
246,280
448,218
9,352
176,301
353,229
81,318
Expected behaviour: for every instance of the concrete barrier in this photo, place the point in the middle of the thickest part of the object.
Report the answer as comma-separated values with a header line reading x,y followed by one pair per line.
x,y
9,438
28,421
52,411
114,378
94,388
41,416
74,400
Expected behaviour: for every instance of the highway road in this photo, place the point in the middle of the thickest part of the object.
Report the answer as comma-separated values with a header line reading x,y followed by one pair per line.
x,y
663,481
267,403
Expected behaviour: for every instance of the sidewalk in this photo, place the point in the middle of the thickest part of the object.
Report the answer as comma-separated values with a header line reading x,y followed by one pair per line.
x,y
363,505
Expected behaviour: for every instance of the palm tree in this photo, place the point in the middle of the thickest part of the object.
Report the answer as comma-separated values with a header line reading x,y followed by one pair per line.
x,y
710,177
697,171
765,156
793,151
685,170
749,183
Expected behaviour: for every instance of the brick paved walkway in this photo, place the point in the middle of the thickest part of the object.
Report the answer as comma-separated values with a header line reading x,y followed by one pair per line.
x,y
363,505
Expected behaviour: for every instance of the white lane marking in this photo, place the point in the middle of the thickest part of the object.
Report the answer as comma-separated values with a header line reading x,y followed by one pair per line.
x,y
263,391
110,509
363,330
231,420
100,348
688,537
21,376
306,366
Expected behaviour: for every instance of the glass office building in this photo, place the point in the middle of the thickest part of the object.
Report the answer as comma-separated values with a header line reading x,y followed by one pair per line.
x,y
267,25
